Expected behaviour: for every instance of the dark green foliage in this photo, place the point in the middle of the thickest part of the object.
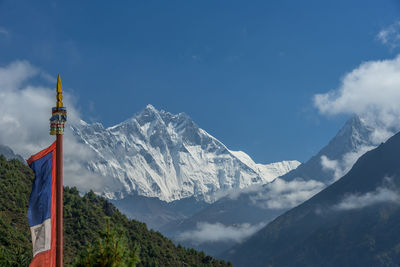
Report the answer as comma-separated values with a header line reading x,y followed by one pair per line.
x,y
14,257
85,217
15,242
109,251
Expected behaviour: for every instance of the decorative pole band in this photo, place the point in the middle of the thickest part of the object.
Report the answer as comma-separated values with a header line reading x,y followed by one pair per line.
x,y
59,113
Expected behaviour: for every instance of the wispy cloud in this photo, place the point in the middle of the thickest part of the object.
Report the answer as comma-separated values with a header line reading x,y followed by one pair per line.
x,y
235,193
359,201
278,194
24,122
331,165
217,232
281,194
390,35
343,165
48,77
3,31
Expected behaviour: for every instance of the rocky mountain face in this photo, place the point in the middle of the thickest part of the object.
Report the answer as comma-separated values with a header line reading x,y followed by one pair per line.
x,y
338,156
261,204
353,222
166,156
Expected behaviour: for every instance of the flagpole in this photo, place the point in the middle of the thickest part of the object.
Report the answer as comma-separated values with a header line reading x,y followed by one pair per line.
x,y
59,192
57,123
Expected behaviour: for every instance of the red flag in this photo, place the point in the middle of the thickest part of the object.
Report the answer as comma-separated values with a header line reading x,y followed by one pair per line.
x,y
42,207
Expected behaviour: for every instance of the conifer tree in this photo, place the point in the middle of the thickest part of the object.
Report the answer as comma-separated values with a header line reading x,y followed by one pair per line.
x,y
109,251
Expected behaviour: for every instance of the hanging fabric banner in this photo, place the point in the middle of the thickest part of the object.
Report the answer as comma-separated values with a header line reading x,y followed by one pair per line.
x,y
42,207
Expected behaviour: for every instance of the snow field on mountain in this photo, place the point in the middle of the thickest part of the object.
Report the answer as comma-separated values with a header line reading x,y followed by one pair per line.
x,y
159,154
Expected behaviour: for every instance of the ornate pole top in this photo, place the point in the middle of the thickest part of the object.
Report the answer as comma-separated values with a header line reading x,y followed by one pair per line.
x,y
59,113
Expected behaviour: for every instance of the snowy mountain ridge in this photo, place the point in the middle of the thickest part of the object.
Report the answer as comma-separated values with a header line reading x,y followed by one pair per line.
x,y
159,154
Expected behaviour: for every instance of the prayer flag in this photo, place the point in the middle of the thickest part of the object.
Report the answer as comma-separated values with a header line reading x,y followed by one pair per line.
x,y
42,207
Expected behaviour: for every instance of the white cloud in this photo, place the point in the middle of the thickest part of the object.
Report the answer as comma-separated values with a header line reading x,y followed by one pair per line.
x,y
342,166
24,122
333,165
390,35
358,201
217,232
16,73
47,77
281,194
278,194
372,92
372,87
234,193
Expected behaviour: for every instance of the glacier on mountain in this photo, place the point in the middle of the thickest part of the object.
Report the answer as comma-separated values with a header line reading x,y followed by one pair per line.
x,y
159,154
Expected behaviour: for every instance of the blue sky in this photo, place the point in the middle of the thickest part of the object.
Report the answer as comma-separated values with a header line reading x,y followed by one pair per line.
x,y
245,71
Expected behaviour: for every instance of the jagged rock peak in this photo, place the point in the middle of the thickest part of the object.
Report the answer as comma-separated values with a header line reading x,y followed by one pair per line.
x,y
159,154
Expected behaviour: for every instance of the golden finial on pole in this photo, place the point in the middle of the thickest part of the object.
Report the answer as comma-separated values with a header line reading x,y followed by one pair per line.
x,y
59,92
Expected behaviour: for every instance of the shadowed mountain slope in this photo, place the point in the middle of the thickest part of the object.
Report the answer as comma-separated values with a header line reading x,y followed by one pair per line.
x,y
258,204
353,222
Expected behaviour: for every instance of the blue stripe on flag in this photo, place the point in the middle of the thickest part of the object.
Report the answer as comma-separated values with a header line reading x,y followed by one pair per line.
x,y
40,198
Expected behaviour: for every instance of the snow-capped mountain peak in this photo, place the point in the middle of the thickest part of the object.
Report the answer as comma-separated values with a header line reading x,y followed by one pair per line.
x,y
159,154
338,156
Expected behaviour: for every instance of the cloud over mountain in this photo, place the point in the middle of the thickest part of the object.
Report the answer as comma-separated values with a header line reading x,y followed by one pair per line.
x,y
25,110
217,232
382,194
281,194
360,201
370,91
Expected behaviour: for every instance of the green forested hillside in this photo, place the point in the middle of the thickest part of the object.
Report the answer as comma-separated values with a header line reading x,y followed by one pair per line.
x,y
84,219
